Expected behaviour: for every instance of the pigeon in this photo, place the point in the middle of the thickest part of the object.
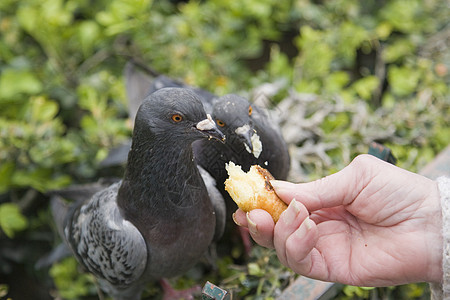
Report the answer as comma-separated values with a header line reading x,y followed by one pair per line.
x,y
138,86
251,139
159,220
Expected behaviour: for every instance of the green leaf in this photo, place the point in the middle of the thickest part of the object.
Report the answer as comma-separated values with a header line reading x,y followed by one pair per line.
x,y
255,270
398,50
383,30
403,80
14,82
11,219
3,290
41,179
365,87
402,14
28,17
56,12
70,283
6,171
122,15
279,64
304,86
335,122
336,81
42,109
349,38
88,34
361,292
316,55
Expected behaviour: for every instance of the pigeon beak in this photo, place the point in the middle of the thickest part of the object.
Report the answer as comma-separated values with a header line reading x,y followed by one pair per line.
x,y
245,132
208,127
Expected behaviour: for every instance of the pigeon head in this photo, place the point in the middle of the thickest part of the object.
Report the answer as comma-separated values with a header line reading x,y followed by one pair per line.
x,y
160,162
233,115
175,114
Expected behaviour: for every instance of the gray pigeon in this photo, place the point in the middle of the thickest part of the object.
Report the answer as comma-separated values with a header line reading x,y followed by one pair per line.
x,y
159,219
138,86
251,139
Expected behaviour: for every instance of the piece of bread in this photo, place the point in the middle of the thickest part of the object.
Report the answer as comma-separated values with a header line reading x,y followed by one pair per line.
x,y
253,190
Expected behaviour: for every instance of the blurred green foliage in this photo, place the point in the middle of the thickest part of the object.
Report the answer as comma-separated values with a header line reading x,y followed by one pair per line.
x,y
63,102
11,219
71,284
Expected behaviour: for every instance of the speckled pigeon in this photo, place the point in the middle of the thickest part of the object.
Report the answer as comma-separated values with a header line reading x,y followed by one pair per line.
x,y
159,219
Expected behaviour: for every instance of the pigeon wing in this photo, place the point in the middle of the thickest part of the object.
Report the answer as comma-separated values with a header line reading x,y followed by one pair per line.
x,y
104,242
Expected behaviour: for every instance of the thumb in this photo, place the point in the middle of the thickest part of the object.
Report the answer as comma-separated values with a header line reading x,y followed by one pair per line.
x,y
334,190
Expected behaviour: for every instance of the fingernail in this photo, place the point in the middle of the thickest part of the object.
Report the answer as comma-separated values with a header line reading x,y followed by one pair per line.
x,y
304,228
234,219
279,184
291,212
251,225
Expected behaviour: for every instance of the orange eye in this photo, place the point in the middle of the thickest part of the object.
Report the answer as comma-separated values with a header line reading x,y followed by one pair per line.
x,y
250,110
177,118
220,123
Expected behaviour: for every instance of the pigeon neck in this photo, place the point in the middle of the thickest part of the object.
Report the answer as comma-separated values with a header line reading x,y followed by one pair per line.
x,y
158,173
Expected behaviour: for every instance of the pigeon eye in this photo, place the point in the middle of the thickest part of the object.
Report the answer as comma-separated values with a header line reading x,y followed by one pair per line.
x,y
220,123
250,110
177,118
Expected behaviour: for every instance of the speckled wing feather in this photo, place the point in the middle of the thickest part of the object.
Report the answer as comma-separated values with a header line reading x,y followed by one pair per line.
x,y
106,244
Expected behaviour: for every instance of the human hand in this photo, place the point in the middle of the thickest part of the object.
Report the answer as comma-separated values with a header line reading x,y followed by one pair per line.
x,y
371,224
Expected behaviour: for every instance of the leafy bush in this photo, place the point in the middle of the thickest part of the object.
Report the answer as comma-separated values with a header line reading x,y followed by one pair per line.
x,y
360,71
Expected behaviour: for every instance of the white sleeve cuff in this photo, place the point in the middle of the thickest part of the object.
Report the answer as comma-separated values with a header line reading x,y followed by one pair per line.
x,y
442,291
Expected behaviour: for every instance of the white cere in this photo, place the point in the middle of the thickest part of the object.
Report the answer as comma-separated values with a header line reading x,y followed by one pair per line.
x,y
242,130
207,124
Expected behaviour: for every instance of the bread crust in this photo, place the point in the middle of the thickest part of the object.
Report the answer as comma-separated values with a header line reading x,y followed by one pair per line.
x,y
253,190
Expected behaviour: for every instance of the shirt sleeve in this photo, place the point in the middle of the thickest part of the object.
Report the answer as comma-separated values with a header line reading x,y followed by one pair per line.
x,y
442,290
